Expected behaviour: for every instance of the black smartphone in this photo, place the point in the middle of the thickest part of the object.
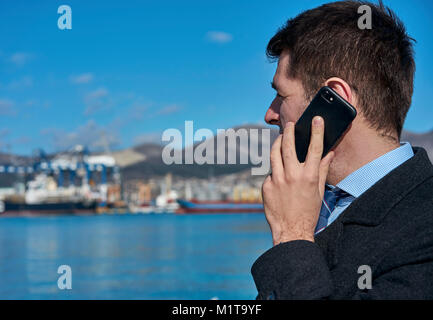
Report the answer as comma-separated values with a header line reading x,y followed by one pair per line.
x,y
337,113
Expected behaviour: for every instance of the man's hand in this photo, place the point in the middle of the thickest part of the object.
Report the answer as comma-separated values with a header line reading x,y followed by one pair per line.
x,y
293,193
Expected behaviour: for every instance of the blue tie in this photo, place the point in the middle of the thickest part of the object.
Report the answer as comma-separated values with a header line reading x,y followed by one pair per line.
x,y
331,198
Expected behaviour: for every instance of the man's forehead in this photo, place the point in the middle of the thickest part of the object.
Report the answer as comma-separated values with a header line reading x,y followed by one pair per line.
x,y
281,73
282,67
283,61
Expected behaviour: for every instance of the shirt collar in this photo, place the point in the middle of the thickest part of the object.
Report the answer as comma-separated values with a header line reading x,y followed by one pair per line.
x,y
365,177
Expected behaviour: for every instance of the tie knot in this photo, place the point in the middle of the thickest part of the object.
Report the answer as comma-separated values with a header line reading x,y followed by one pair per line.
x,y
333,195
336,191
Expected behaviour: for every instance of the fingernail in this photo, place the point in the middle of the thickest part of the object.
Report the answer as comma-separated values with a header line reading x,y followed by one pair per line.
x,y
317,121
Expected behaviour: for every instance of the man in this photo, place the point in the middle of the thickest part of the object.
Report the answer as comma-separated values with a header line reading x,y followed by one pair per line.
x,y
372,235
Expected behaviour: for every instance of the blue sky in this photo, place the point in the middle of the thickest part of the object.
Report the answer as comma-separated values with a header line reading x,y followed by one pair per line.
x,y
130,69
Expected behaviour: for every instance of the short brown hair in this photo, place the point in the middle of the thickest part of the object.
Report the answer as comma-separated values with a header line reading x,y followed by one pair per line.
x,y
377,63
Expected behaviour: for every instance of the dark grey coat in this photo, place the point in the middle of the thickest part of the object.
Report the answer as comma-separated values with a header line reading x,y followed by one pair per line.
x,y
389,228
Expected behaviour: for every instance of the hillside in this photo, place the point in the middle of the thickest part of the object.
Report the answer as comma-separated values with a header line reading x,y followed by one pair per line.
x,y
153,165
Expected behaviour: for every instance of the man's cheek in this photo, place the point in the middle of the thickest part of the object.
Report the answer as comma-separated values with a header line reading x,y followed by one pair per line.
x,y
286,114
292,112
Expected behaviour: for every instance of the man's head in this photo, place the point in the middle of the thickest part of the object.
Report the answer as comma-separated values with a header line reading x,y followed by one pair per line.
x,y
373,69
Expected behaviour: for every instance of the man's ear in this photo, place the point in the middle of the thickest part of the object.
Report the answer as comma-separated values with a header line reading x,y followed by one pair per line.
x,y
342,88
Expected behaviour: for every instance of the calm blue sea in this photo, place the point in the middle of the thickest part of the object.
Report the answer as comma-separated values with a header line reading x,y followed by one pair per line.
x,y
132,256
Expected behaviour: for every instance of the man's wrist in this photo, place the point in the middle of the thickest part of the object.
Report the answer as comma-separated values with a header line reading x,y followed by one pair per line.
x,y
287,237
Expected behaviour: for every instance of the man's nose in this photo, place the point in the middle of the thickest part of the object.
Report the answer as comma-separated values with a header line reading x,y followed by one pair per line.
x,y
272,116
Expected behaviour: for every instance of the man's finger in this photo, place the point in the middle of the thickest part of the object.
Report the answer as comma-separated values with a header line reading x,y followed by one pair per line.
x,y
315,150
288,146
276,161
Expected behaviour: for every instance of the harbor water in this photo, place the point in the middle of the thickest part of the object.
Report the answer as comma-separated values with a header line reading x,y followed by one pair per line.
x,y
153,256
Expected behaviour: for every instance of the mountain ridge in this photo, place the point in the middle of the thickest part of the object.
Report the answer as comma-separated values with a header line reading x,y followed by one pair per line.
x,y
154,162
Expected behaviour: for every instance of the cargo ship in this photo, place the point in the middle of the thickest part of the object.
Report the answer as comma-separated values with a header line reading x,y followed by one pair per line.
x,y
43,197
69,183
194,206
22,208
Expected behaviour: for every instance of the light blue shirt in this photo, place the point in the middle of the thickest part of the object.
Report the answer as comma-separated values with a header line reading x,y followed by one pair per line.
x,y
365,177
